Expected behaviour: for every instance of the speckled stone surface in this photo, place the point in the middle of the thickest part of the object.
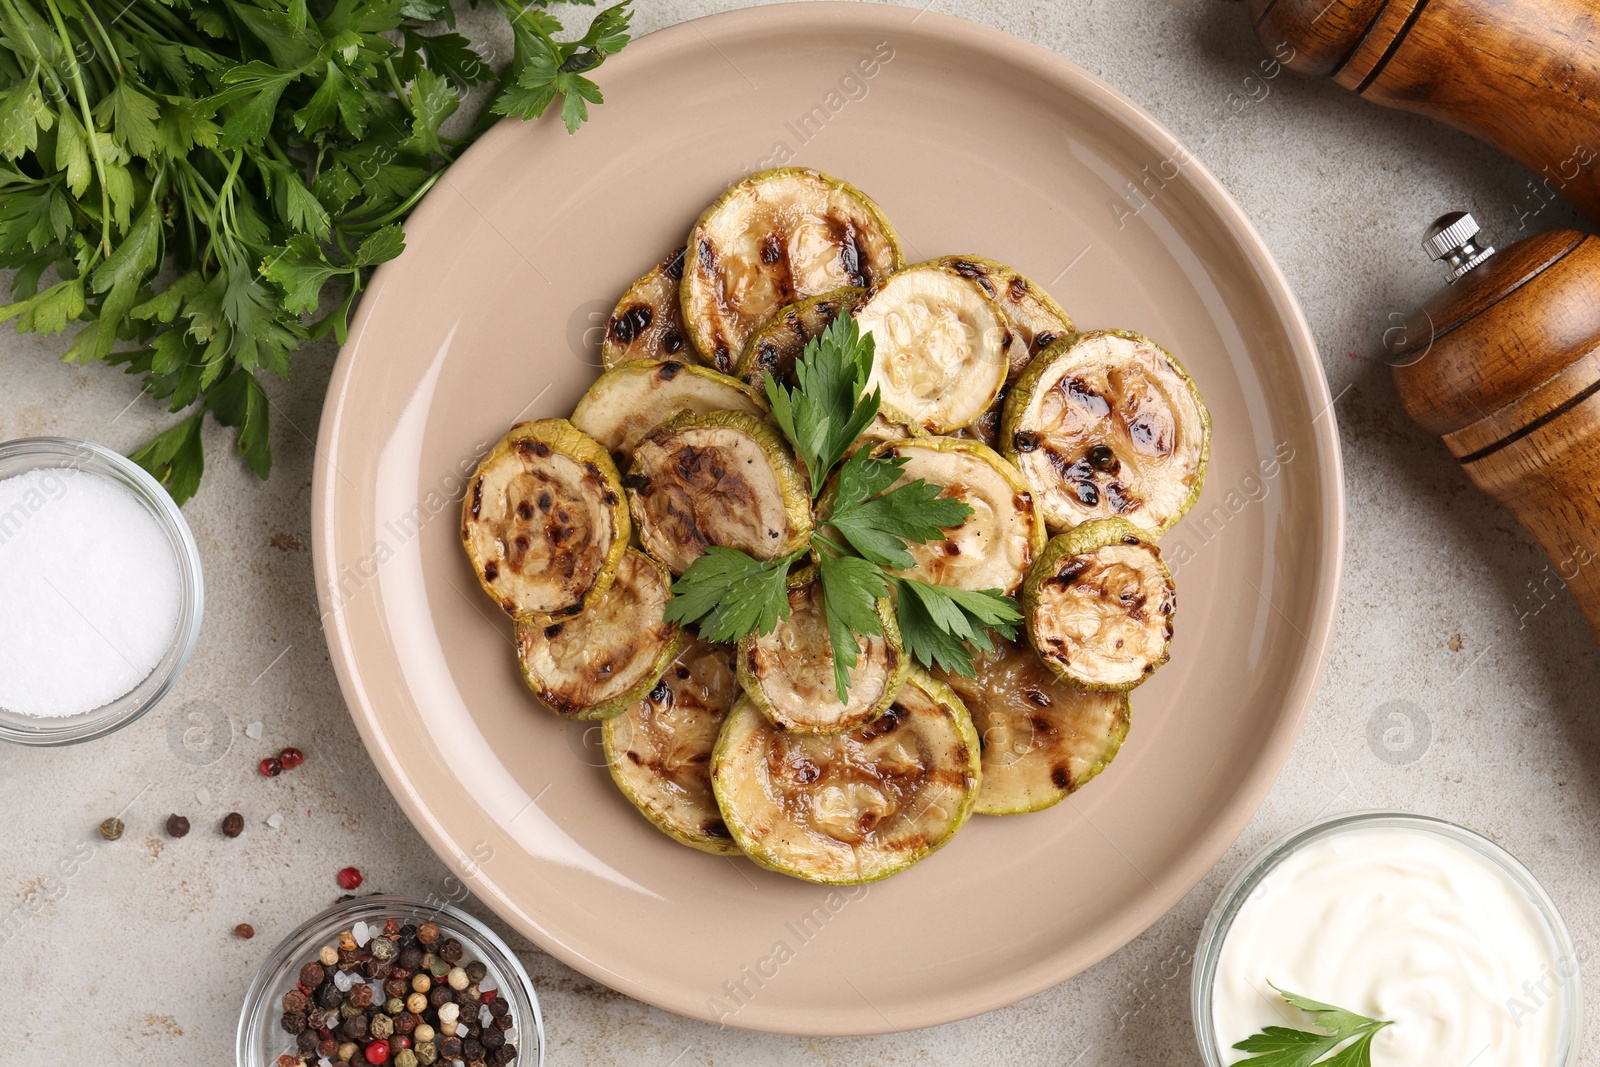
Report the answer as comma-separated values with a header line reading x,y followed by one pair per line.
x,y
124,952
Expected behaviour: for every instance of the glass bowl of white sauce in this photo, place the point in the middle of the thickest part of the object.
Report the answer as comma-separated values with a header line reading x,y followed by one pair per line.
x,y
1400,917
101,591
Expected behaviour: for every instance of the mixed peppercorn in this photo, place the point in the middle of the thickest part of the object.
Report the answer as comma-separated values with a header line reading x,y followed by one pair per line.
x,y
399,995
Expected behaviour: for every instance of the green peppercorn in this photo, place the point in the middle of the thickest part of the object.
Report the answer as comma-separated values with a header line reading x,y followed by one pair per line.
x,y
407,1058
111,829
381,948
438,967
394,1006
477,971
427,1055
381,1026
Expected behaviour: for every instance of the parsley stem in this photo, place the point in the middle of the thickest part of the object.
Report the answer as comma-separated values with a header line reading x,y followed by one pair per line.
x,y
838,550
88,126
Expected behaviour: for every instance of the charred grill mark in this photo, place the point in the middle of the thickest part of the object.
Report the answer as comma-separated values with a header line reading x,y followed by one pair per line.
x,y
630,322
610,498
1024,441
722,357
1043,340
771,248
673,267
668,370
683,674
884,724
1101,458
673,341
553,631
477,497
1077,474
716,828
1018,289
491,571
1037,697
524,510
637,482
1061,777
967,269
1041,725
1070,573
707,255
1117,496
1082,393
509,607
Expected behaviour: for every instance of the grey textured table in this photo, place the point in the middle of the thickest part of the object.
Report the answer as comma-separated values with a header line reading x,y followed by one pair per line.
x,y
1462,684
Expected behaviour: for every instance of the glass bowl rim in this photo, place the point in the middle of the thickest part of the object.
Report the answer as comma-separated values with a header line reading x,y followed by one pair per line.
x,y
1237,891
258,998
154,687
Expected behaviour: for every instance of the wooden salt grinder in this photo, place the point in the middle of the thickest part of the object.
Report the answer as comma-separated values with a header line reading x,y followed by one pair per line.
x,y
1504,364
1521,75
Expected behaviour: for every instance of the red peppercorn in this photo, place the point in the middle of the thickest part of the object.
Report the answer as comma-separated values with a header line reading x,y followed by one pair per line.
x,y
488,995
270,767
402,1041
290,758
378,1051
350,878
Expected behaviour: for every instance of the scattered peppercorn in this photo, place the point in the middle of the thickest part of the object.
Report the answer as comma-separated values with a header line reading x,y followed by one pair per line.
x,y
244,930
232,824
111,829
349,878
290,758
270,767
177,826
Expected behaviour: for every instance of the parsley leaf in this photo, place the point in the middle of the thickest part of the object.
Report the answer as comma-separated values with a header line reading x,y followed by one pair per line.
x,y
850,590
730,594
1282,1046
825,414
937,622
880,527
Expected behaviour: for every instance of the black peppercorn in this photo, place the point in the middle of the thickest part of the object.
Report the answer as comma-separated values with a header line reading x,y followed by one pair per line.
x,y
328,1048
355,1026
311,975
405,1022
232,824
450,1048
451,951
499,1006
408,932
307,1040
396,987
503,1023
505,1053
349,957
177,825
440,995
293,1022
476,971
294,1000
328,996
360,995
411,958
492,1038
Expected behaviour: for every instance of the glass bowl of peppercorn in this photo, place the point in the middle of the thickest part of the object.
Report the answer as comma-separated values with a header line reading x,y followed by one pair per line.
x,y
391,980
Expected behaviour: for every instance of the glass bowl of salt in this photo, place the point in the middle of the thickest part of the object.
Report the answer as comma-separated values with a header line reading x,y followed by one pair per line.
x,y
100,591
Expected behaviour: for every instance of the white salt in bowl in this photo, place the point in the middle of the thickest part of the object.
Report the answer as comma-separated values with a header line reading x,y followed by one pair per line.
x,y
65,455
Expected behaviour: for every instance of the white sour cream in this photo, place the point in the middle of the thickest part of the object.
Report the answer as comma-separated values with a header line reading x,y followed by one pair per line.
x,y
1400,924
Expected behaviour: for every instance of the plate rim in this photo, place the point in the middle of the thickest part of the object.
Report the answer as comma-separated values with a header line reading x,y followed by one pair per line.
x,y
1210,847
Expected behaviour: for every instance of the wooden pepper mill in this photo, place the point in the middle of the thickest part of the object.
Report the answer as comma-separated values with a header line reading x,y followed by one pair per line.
x,y
1521,75
1504,364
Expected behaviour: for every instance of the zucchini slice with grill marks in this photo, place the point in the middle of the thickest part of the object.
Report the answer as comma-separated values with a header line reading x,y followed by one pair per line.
x,y
627,401
774,238
1108,424
781,340
788,673
1099,604
939,346
1042,736
725,478
1033,317
842,809
648,321
544,522
994,547
659,750
607,657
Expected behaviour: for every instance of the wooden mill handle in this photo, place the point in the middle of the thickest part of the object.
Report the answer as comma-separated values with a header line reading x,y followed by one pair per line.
x,y
1522,75
1505,366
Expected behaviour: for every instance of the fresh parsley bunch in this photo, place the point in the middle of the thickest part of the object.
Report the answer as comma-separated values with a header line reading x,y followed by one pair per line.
x,y
1281,1046
863,534
182,179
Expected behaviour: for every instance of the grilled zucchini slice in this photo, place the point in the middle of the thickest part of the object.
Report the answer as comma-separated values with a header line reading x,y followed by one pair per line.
x,y
1098,605
659,750
625,402
788,673
648,321
725,478
1042,737
544,522
841,809
1034,319
781,340
997,543
939,346
608,656
1108,424
774,238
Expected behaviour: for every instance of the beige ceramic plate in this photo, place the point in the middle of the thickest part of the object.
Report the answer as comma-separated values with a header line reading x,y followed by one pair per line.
x,y
972,142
